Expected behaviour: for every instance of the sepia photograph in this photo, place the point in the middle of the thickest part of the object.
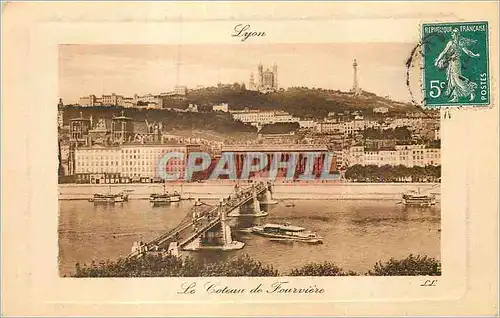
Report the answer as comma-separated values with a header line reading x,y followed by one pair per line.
x,y
245,160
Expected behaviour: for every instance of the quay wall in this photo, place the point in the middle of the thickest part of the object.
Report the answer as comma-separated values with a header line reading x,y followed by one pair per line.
x,y
207,190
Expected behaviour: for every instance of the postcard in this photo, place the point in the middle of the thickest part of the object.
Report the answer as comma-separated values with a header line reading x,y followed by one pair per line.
x,y
213,159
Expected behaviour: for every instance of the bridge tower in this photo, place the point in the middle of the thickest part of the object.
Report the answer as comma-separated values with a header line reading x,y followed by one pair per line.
x,y
257,212
227,238
268,196
173,249
256,203
227,243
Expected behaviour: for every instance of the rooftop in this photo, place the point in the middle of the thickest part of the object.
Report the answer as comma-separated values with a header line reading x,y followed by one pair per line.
x,y
136,145
80,118
283,147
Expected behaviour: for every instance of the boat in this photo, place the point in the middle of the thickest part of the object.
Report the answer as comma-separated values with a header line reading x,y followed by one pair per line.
x,y
290,205
415,198
109,198
165,197
286,232
158,198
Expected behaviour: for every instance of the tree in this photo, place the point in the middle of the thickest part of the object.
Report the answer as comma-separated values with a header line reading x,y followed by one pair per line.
x,y
218,122
410,266
388,173
321,269
170,266
240,266
280,128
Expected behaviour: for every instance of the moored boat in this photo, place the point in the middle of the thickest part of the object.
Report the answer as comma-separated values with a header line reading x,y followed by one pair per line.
x,y
286,232
109,198
165,197
412,198
160,198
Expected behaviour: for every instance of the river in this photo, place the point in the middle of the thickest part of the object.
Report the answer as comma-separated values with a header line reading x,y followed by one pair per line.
x,y
357,233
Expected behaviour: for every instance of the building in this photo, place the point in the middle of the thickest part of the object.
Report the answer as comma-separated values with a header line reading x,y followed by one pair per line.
x,y
381,110
104,100
346,128
122,129
90,100
60,118
143,160
100,133
97,164
223,107
433,156
128,162
180,90
330,127
284,151
340,159
251,83
412,123
193,108
373,143
154,132
307,124
406,155
144,100
60,114
355,156
79,129
388,156
253,116
260,118
111,100
128,102
437,134
267,80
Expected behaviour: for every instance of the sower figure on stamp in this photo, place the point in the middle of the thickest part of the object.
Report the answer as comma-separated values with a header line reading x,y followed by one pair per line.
x,y
450,58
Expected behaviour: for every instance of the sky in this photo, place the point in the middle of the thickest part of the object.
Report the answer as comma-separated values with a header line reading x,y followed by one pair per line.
x,y
142,69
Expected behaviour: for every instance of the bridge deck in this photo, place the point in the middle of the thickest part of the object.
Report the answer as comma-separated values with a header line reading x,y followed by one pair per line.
x,y
190,229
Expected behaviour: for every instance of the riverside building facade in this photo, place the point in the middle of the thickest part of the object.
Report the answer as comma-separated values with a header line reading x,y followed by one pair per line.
x,y
283,153
128,162
407,155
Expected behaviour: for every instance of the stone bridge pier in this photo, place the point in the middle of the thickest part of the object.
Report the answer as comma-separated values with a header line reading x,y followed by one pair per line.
x,y
218,237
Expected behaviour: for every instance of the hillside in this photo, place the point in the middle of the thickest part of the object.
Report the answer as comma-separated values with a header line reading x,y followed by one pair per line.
x,y
299,101
171,120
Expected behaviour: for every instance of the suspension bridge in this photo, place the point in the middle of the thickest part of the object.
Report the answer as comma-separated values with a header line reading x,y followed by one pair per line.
x,y
208,228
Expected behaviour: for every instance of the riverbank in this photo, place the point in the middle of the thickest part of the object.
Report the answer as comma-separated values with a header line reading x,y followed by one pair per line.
x,y
281,191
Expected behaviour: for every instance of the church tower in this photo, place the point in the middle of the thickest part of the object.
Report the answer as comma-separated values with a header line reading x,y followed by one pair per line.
x,y
251,84
261,75
275,76
355,85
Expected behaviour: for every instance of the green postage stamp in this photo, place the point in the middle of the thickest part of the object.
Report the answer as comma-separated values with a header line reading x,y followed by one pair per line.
x,y
455,64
